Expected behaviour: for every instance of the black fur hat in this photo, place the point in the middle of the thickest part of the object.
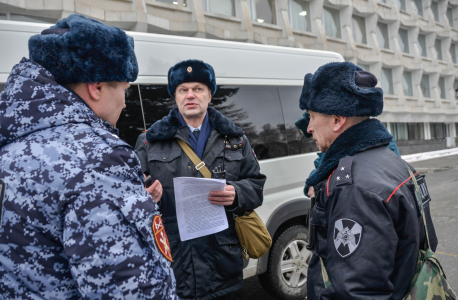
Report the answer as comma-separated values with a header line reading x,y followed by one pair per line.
x,y
79,49
342,88
191,71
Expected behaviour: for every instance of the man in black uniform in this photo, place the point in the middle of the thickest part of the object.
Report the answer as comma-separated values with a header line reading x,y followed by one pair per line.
x,y
366,229
208,267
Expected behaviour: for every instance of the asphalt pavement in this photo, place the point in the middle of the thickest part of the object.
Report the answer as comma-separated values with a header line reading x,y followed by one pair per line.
x,y
442,181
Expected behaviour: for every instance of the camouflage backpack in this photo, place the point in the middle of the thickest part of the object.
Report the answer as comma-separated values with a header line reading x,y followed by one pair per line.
x,y
428,282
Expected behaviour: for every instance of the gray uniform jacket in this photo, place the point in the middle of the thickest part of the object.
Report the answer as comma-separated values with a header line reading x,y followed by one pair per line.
x,y
210,266
76,217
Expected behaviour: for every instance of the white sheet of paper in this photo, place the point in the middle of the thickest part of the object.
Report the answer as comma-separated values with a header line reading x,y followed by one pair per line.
x,y
195,214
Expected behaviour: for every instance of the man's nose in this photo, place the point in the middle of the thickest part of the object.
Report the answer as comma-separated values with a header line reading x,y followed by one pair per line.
x,y
190,94
309,128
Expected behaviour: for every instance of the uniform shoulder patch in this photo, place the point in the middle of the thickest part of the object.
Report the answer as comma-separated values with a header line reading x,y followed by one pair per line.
x,y
343,171
161,237
2,197
347,236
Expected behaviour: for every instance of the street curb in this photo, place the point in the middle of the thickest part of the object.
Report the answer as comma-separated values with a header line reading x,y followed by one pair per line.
x,y
429,155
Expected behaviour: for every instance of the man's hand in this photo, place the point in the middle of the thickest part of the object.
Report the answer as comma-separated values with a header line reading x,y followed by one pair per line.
x,y
311,192
225,197
155,190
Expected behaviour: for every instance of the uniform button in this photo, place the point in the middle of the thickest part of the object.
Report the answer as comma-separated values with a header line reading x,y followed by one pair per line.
x,y
189,167
228,157
163,158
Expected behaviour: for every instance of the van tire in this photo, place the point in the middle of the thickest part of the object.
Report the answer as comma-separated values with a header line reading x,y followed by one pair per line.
x,y
288,285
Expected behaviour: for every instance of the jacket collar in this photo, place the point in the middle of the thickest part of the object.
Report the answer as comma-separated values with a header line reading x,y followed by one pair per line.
x,y
167,127
360,137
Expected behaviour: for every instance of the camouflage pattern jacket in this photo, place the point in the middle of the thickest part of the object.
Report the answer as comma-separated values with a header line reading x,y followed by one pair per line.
x,y
76,219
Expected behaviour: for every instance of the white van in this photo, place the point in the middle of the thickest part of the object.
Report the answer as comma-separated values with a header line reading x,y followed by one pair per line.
x,y
258,88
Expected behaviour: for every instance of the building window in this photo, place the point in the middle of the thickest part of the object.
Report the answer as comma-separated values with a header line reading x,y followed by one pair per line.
x,y
331,22
263,11
407,84
424,84
453,52
403,40
387,81
416,131
224,7
2,16
418,6
450,16
438,47
399,131
422,45
402,4
435,9
442,87
381,1
438,130
300,15
408,131
382,35
358,26
176,2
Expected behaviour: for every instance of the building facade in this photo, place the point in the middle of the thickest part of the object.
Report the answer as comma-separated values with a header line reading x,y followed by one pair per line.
x,y
410,45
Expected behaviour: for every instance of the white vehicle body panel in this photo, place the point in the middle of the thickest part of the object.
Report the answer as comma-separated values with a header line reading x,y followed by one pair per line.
x,y
235,63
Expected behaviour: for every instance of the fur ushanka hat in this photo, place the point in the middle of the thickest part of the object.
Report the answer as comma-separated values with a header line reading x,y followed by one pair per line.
x,y
342,88
78,49
191,71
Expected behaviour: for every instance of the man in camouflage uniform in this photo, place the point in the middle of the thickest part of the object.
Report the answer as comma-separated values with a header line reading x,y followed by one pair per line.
x,y
77,221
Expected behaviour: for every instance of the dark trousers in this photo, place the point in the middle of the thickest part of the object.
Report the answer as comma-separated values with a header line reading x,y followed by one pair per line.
x,y
225,297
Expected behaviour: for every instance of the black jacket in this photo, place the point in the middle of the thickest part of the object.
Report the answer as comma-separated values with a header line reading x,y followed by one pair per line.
x,y
366,224
210,266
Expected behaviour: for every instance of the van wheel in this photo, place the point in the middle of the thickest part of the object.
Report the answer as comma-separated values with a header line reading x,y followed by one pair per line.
x,y
286,275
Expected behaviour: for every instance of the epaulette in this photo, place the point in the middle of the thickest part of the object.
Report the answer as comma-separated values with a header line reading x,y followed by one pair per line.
x,y
343,171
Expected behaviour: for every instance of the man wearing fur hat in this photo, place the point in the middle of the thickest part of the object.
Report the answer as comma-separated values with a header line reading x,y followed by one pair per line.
x,y
366,231
77,221
209,267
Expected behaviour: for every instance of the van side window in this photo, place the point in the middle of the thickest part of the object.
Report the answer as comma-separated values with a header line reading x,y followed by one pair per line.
x,y
257,110
297,142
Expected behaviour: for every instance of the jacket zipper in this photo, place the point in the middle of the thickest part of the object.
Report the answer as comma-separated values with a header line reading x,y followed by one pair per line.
x,y
209,147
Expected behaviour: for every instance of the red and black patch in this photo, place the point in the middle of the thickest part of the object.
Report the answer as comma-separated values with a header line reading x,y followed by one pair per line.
x,y
161,237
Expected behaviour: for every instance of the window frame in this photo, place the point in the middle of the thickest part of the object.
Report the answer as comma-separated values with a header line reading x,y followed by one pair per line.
x,y
425,48
407,80
254,14
406,45
428,87
439,53
364,34
207,8
339,29
417,9
308,21
387,35
451,21
436,13
441,85
391,85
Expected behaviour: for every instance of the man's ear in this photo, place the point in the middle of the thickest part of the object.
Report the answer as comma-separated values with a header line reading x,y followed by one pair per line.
x,y
339,122
95,90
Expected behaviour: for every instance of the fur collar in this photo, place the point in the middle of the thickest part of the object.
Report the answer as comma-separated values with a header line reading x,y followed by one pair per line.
x,y
362,136
169,125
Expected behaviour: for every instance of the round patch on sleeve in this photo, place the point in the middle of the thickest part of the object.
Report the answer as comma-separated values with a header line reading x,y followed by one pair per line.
x,y
161,237
347,235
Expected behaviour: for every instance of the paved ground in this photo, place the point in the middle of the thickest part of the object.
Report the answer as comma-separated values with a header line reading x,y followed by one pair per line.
x,y
442,180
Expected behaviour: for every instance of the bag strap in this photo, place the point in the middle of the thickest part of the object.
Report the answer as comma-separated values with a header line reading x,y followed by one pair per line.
x,y
199,165
419,202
